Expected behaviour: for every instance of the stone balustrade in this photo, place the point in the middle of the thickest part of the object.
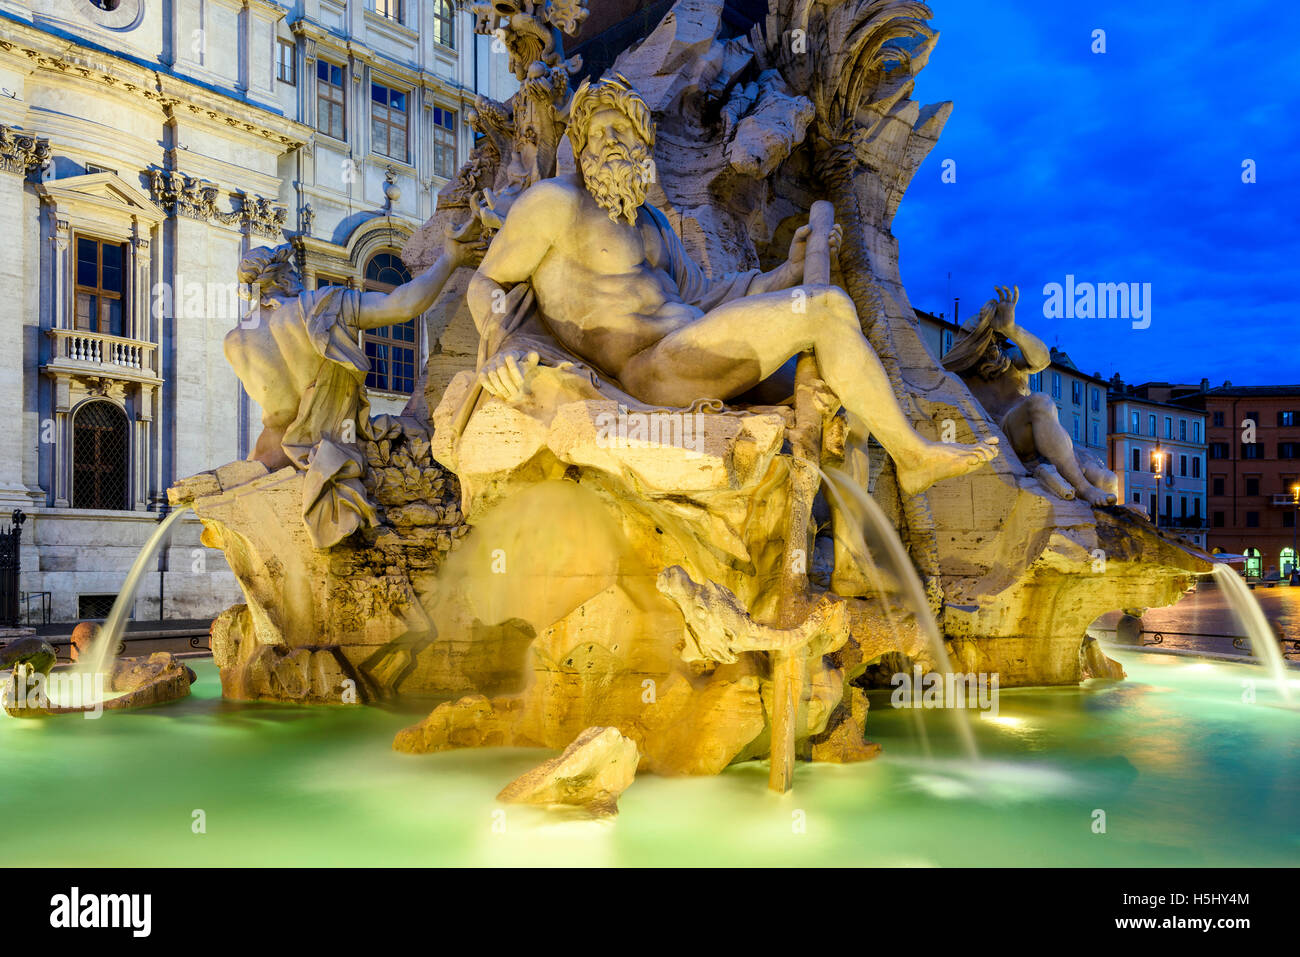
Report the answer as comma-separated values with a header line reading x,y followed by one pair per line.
x,y
110,352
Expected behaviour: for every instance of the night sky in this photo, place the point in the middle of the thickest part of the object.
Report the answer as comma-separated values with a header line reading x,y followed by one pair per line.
x,y
1119,167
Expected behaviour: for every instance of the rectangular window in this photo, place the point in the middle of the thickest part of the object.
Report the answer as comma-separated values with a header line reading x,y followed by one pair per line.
x,y
1169,506
100,286
1218,486
331,114
1182,505
444,142
323,282
1218,450
1035,380
1096,399
945,343
1196,466
1196,432
1218,420
1252,519
1252,450
1182,465
1219,519
1287,418
1288,519
1169,427
1076,428
388,122
1137,460
1288,450
1182,430
392,9
286,62
1252,485
1056,385
391,351
444,23
1151,425
1096,434
1076,392
1135,423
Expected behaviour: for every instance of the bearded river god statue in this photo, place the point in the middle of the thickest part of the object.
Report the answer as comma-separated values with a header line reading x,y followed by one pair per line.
x,y
630,465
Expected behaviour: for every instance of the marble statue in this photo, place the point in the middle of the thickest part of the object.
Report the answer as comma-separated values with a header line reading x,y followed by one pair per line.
x,y
299,355
996,357
615,287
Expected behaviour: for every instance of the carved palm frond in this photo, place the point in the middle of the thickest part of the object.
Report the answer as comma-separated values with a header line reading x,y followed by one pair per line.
x,y
844,54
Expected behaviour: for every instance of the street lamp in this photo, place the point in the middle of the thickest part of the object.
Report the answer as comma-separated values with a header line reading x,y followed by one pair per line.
x,y
1158,460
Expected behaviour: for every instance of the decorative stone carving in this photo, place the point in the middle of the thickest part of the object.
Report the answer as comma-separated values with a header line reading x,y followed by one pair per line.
x,y
22,153
995,357
592,772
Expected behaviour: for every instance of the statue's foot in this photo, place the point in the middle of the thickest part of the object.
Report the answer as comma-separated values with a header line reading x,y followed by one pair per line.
x,y
1097,497
943,460
1055,483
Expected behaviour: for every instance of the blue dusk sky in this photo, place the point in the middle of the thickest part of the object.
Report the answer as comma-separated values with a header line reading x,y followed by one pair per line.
x,y
1123,166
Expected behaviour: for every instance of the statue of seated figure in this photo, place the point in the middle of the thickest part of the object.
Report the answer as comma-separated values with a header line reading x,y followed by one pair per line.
x,y
584,269
996,357
299,357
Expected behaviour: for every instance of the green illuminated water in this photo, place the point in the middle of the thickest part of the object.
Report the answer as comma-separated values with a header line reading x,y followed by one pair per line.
x,y
1185,770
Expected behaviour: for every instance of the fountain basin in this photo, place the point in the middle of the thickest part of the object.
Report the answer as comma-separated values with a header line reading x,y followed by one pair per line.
x,y
132,683
1187,774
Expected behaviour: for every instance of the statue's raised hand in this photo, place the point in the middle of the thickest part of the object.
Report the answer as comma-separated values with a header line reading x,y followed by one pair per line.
x,y
799,244
1004,315
505,375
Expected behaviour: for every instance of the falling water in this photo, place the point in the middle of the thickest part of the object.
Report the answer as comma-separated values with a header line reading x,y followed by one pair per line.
x,y
870,523
1251,617
104,650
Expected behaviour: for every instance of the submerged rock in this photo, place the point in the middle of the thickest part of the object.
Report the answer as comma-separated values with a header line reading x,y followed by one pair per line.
x,y
591,773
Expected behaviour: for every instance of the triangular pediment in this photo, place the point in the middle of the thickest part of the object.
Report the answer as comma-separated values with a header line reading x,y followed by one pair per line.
x,y
108,192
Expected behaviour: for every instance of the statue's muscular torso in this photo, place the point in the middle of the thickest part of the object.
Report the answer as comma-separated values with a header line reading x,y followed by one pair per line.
x,y
603,288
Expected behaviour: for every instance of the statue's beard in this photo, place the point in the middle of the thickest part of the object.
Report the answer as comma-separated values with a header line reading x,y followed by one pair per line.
x,y
617,179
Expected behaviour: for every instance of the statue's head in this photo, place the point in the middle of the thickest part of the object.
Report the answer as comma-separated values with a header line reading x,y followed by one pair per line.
x,y
268,276
613,137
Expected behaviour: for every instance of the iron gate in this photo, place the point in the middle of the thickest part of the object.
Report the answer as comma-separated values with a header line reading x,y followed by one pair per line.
x,y
9,568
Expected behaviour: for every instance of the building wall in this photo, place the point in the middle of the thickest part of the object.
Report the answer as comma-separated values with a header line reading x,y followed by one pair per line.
x,y
1251,503
170,135
1176,437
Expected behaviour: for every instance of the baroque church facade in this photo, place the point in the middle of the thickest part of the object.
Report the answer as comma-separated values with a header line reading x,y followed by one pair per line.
x,y
145,147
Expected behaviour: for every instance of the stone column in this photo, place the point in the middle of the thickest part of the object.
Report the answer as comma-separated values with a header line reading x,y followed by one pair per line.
x,y
21,154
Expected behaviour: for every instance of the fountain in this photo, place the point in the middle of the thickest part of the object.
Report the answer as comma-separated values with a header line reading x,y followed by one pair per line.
x,y
1251,618
686,558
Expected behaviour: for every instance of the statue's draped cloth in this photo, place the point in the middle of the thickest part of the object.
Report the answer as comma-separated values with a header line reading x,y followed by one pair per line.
x,y
333,416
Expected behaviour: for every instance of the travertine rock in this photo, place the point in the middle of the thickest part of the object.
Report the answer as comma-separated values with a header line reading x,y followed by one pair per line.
x,y
592,772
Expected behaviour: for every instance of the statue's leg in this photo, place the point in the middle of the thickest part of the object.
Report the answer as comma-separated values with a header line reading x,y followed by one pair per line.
x,y
1053,443
731,349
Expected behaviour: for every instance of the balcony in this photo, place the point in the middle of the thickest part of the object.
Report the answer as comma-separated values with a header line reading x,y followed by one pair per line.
x,y
79,351
1284,499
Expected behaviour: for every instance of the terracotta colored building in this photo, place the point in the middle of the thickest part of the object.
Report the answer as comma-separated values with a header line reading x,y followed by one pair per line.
x,y
1252,473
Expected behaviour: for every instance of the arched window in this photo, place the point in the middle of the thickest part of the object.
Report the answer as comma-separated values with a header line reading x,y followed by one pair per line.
x,y
444,23
99,444
1287,560
390,349
1254,563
